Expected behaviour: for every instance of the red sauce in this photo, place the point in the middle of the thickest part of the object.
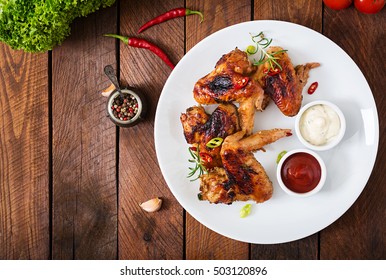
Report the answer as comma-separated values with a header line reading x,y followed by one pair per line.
x,y
301,172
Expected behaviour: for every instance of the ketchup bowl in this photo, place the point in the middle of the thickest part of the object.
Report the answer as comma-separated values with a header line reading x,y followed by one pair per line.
x,y
301,172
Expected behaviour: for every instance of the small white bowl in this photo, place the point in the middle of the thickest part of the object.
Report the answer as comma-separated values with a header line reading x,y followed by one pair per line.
x,y
300,119
283,164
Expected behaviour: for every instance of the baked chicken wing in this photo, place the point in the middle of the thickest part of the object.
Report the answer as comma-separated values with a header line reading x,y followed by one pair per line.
x,y
284,86
242,176
200,127
230,82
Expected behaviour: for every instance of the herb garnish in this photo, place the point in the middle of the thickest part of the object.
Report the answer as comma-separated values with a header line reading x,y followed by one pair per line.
x,y
196,159
261,43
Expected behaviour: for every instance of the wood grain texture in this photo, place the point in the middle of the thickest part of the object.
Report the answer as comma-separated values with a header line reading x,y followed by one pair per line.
x,y
205,244
304,249
24,153
83,148
201,242
307,13
217,15
94,216
145,235
360,232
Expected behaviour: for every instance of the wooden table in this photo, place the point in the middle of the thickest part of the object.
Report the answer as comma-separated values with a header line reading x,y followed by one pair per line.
x,y
71,181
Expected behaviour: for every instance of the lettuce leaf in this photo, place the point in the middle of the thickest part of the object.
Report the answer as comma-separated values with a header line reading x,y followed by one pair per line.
x,y
40,25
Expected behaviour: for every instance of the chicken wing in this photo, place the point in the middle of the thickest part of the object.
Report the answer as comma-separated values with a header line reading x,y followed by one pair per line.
x,y
230,81
284,86
242,177
302,72
200,127
192,122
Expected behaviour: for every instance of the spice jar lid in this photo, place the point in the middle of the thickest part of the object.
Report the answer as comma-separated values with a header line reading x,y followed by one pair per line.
x,y
127,109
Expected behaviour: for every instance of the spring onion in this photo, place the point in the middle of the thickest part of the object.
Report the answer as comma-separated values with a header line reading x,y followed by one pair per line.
x,y
246,210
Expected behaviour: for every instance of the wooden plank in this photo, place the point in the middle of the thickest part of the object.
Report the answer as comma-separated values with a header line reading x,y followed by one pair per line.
x,y
360,233
84,150
144,235
303,249
217,15
24,155
205,244
307,13
202,243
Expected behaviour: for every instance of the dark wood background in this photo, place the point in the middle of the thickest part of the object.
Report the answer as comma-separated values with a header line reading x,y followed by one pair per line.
x,y
70,181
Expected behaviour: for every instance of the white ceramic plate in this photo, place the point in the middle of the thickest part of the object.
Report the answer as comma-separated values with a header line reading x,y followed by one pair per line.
x,y
283,218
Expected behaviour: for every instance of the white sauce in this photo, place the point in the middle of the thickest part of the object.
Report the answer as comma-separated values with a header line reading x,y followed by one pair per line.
x,y
319,124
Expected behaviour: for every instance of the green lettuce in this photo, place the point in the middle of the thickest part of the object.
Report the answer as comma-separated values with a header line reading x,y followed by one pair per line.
x,y
40,25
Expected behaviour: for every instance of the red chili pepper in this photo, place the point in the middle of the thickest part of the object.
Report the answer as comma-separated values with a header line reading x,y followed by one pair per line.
x,y
194,149
179,12
143,44
312,88
206,157
271,72
241,83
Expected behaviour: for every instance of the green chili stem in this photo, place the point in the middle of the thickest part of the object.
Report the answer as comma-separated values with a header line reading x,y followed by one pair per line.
x,y
191,12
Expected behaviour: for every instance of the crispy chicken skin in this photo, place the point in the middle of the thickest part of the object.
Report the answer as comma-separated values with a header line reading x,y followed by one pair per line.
x,y
242,177
200,127
230,82
303,70
285,88
192,122
212,187
220,85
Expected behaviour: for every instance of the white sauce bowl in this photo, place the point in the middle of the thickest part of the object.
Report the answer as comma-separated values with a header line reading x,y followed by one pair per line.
x,y
300,121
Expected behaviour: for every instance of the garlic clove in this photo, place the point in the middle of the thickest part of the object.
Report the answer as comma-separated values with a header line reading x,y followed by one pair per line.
x,y
152,205
107,91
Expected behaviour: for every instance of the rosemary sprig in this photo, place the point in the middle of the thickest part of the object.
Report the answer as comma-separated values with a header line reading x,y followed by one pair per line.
x,y
196,159
261,43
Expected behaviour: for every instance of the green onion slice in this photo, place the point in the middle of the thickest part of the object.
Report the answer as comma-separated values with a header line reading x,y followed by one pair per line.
x,y
251,50
246,210
280,155
214,142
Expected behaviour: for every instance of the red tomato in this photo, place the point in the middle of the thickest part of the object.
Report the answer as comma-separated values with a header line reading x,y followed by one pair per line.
x,y
369,6
337,4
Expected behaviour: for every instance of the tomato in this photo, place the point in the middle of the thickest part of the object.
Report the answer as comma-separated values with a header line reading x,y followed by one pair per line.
x,y
369,6
337,4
